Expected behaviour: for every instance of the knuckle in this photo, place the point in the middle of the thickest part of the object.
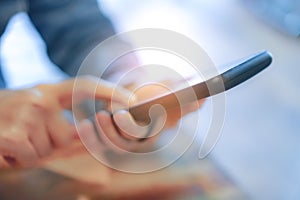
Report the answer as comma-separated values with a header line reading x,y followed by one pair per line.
x,y
35,99
42,106
40,102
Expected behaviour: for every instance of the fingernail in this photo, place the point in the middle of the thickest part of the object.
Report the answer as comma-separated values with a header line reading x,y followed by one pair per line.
x,y
103,112
121,117
86,122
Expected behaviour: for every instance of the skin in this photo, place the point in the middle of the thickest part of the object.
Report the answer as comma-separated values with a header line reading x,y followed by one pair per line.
x,y
126,136
32,127
31,122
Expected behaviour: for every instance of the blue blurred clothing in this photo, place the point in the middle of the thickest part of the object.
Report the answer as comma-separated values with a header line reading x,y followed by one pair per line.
x,y
70,28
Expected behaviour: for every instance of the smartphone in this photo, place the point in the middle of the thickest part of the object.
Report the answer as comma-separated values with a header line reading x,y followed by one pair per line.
x,y
227,80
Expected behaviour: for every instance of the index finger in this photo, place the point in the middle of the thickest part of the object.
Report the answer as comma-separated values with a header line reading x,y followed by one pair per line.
x,y
89,87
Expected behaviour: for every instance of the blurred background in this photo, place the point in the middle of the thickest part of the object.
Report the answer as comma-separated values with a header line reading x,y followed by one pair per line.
x,y
260,144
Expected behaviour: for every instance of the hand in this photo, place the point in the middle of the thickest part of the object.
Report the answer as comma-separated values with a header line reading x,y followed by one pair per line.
x,y
120,133
31,120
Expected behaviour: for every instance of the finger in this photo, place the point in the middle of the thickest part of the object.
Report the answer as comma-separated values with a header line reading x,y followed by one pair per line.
x,y
128,128
110,136
89,87
26,156
17,150
61,132
41,141
89,137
